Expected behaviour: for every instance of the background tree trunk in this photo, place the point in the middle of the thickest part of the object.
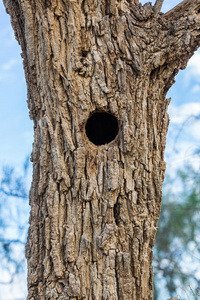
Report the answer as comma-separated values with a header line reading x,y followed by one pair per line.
x,y
94,209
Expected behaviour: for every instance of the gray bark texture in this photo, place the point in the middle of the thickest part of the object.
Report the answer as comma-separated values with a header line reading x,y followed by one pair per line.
x,y
94,209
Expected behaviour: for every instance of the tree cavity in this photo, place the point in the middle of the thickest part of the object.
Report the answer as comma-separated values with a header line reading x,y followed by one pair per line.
x,y
101,128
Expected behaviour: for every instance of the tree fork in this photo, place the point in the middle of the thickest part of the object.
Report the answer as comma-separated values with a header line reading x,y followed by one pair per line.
x,y
95,207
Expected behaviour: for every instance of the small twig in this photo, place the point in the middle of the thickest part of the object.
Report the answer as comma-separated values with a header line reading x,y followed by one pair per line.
x,y
17,241
13,193
158,6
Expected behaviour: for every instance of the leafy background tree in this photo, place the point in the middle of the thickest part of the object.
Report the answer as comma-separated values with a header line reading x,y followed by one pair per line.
x,y
14,211
177,247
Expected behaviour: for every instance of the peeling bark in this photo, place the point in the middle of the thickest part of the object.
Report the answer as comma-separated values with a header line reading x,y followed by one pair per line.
x,y
94,209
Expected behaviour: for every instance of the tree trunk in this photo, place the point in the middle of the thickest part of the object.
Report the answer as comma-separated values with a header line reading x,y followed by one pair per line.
x,y
95,207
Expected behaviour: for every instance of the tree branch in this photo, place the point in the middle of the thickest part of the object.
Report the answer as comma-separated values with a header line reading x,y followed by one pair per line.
x,y
181,8
182,37
158,6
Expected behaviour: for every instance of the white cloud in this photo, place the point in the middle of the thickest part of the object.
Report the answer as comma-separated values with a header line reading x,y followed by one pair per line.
x,y
196,130
184,136
180,154
7,37
195,89
11,69
179,114
10,64
15,290
192,73
193,67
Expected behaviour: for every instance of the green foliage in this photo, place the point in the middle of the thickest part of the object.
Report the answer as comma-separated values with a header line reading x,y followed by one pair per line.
x,y
178,234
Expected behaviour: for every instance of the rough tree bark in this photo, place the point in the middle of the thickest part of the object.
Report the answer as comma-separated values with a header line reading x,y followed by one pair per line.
x,y
94,209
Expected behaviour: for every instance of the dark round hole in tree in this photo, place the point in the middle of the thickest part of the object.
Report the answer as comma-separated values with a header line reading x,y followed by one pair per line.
x,y
101,128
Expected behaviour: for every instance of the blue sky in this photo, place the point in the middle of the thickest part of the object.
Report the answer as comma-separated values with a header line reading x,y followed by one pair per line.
x,y
16,134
